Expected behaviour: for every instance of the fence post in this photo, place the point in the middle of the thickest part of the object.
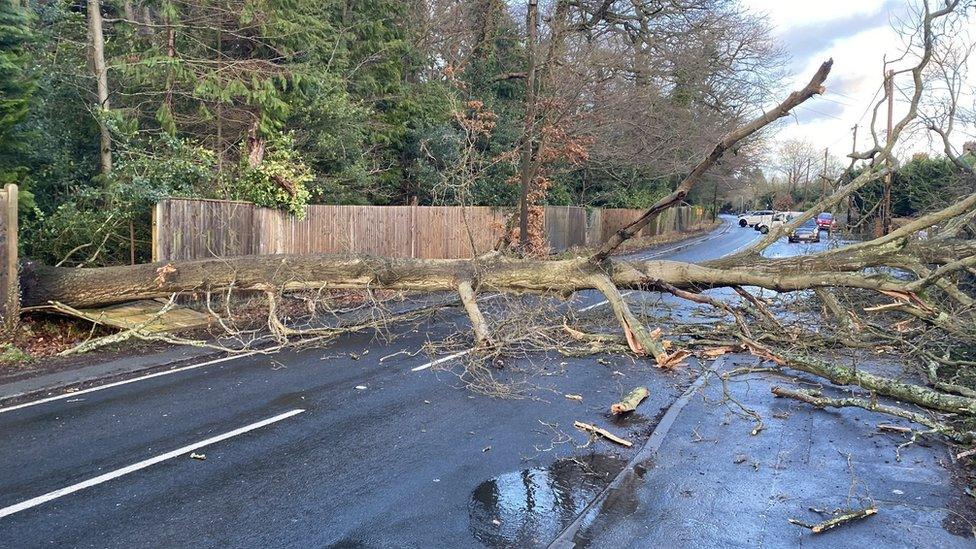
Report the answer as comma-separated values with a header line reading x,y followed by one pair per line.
x,y
413,227
9,283
155,231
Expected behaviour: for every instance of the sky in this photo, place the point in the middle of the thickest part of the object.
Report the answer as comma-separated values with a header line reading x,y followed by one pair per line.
x,y
857,34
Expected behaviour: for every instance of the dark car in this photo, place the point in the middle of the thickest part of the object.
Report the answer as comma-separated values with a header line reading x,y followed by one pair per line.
x,y
807,232
825,221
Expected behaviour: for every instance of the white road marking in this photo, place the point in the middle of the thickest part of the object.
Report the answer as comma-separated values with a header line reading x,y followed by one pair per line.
x,y
440,361
33,502
73,394
604,302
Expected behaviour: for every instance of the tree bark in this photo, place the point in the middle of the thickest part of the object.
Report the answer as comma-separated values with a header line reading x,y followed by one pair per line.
x,y
526,169
97,49
106,285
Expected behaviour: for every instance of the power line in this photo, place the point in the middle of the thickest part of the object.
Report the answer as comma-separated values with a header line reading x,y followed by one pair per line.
x,y
870,103
821,113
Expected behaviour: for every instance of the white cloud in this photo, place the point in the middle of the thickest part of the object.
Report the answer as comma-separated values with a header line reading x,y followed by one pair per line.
x,y
786,14
858,36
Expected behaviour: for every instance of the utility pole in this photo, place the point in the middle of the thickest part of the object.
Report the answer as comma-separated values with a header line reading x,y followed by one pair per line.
x,y
532,29
850,197
806,181
886,204
823,175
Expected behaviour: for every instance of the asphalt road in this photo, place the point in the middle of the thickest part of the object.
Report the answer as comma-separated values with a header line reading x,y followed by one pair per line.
x,y
326,447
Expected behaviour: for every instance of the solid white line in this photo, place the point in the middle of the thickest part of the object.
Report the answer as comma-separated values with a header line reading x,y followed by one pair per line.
x,y
742,247
158,374
33,502
604,302
124,382
440,361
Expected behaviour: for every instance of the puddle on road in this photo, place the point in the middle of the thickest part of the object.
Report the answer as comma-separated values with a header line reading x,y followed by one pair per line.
x,y
530,507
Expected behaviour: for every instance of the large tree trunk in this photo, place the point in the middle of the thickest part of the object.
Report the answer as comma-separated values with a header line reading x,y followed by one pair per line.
x,y
106,285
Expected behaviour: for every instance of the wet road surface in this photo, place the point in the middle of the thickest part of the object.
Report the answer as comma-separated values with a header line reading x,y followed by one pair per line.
x,y
329,447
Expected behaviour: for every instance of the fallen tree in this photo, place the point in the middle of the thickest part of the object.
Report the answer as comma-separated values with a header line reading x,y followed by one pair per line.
x,y
898,275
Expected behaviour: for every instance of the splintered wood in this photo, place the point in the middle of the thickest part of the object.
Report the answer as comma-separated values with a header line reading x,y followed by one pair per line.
x,y
148,315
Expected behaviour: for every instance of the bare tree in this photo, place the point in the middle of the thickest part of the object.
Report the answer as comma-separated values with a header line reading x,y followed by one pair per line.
x,y
797,160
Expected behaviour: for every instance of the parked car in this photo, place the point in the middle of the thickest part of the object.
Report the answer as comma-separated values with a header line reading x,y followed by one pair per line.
x,y
775,220
807,232
825,221
750,219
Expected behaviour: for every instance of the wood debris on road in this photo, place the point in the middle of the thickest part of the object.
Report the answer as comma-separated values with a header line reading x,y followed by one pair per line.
x,y
630,401
602,432
838,520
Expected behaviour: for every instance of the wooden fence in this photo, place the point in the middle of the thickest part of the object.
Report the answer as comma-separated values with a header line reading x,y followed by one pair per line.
x,y
9,287
198,229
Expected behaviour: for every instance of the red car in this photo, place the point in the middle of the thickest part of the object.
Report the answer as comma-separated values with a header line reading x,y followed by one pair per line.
x,y
826,221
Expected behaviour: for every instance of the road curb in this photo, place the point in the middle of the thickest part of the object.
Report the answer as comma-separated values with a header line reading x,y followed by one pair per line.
x,y
37,387
566,538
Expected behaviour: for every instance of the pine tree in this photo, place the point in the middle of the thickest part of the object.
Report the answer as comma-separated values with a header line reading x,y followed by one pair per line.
x,y
15,84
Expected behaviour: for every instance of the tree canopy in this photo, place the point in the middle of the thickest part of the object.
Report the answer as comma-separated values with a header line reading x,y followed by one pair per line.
x,y
370,102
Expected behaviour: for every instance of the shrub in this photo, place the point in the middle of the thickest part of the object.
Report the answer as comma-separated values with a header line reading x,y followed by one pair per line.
x,y
279,181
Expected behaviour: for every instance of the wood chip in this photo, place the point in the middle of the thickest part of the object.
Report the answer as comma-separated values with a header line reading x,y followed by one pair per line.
x,y
894,428
884,307
602,432
674,359
714,352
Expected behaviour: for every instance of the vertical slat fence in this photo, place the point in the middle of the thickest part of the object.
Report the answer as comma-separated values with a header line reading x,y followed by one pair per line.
x,y
198,229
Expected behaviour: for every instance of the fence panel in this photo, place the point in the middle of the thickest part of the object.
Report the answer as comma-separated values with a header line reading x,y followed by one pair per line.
x,y
197,229
565,227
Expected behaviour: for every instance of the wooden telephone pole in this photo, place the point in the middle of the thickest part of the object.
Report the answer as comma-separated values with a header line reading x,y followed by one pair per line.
x,y
823,175
532,29
886,200
850,197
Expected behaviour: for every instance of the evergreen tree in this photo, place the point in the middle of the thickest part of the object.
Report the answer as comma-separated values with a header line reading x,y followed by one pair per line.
x,y
15,85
